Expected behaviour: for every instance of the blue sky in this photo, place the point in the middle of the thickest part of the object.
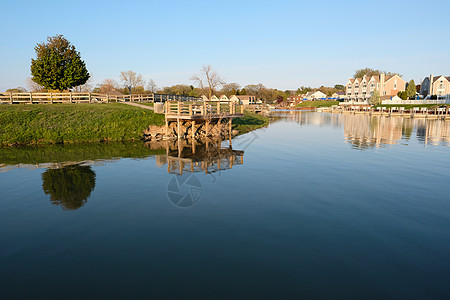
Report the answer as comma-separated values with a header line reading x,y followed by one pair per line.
x,y
282,44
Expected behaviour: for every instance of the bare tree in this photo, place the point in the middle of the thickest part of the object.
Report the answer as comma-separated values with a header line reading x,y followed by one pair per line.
x,y
230,89
151,86
108,85
208,78
132,79
33,86
84,88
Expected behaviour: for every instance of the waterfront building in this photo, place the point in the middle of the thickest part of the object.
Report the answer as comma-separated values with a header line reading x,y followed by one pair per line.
x,y
244,99
359,90
315,95
439,86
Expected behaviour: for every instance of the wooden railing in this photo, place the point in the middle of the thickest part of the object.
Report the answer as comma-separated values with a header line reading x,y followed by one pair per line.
x,y
202,108
35,98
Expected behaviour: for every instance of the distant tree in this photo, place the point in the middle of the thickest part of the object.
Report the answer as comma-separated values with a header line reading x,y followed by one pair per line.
x,y
130,78
371,72
151,86
208,80
84,88
403,95
339,87
375,99
34,87
108,85
411,89
58,66
243,92
17,90
230,89
69,186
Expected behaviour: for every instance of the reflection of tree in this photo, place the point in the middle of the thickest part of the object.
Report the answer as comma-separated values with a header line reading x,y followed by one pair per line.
x,y
69,186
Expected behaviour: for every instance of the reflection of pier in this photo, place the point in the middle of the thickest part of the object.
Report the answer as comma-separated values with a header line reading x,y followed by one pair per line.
x,y
193,157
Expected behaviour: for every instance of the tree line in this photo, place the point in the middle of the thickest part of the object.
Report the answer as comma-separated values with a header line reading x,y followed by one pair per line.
x,y
59,67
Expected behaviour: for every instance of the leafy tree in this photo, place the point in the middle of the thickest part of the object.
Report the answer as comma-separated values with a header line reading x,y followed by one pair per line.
x,y
58,66
69,186
403,95
375,99
411,89
371,72
339,87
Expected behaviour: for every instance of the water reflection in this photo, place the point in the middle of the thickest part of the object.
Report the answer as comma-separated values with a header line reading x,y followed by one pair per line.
x,y
194,157
69,186
364,131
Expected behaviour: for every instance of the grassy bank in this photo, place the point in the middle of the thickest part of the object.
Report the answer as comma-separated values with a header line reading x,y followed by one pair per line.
x,y
249,122
73,123
320,103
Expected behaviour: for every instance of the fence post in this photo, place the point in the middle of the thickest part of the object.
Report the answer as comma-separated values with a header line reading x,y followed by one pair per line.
x,y
51,98
10,98
107,98
218,108
190,109
31,98
90,98
179,108
71,97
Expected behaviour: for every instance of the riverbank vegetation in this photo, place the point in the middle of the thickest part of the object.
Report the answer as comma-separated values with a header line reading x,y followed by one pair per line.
x,y
318,103
249,122
73,123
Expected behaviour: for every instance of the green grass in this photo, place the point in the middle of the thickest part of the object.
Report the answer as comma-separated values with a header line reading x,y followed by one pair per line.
x,y
151,104
73,123
319,103
249,122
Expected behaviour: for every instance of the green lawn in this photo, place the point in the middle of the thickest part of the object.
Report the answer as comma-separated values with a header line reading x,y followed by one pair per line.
x,y
151,104
73,123
249,122
319,103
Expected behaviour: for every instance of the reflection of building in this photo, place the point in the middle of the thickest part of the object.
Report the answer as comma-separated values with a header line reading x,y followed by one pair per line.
x,y
433,132
364,131
208,157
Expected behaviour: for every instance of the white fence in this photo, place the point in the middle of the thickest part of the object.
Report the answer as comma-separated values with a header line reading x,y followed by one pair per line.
x,y
442,101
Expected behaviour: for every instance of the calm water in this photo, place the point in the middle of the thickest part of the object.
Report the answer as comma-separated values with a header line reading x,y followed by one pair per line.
x,y
316,205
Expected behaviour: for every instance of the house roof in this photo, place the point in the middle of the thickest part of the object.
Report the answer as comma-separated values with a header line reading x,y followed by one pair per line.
x,y
114,93
439,77
244,97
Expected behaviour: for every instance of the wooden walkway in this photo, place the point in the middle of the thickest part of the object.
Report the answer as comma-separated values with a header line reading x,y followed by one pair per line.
x,y
41,98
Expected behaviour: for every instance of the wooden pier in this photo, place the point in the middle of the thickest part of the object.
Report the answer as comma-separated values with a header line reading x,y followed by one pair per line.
x,y
205,117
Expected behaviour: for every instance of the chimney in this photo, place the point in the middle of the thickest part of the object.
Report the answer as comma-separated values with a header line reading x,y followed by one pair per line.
x,y
431,84
382,81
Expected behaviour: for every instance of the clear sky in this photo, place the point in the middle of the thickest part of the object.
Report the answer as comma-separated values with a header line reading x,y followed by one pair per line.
x,y
282,44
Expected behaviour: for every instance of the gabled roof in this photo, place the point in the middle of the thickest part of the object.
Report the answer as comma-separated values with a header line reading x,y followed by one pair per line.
x,y
439,77
244,97
351,80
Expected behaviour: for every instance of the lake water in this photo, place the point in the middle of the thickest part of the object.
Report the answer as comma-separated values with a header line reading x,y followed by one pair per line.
x,y
314,206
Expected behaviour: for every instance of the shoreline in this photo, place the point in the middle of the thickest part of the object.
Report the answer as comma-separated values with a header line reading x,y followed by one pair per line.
x,y
77,124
